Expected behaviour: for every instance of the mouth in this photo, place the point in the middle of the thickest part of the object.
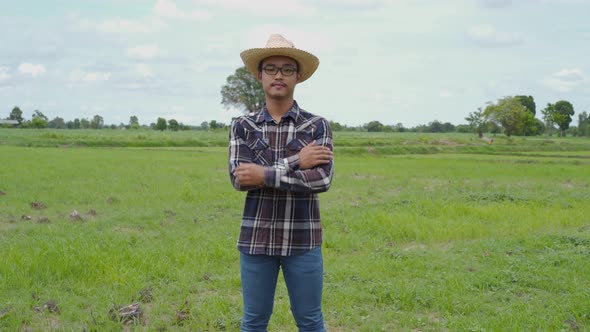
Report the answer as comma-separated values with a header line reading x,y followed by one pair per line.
x,y
278,85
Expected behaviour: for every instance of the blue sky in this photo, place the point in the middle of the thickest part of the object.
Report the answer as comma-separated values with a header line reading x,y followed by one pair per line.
x,y
408,61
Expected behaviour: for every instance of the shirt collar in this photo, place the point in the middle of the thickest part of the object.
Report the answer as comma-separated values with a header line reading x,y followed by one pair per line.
x,y
264,116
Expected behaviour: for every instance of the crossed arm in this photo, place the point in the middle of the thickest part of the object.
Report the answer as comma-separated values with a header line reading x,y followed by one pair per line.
x,y
313,171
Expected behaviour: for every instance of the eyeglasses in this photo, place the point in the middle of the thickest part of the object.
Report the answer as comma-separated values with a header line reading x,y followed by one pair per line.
x,y
285,71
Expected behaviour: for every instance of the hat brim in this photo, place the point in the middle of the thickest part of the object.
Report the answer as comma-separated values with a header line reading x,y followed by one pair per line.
x,y
308,63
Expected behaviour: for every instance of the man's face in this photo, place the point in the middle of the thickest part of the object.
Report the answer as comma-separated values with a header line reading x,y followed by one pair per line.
x,y
281,84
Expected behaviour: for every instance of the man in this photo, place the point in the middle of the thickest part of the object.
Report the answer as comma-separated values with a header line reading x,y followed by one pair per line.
x,y
282,155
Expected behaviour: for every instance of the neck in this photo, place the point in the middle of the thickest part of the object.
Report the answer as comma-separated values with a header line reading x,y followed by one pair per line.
x,y
277,108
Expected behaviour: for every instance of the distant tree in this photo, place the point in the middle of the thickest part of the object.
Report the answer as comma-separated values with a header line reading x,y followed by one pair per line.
x,y
16,114
335,126
528,102
435,127
242,91
57,123
216,125
38,122
583,124
39,114
374,126
173,125
77,124
477,121
399,127
548,117
463,128
563,115
560,114
205,125
97,122
161,124
507,112
84,124
133,120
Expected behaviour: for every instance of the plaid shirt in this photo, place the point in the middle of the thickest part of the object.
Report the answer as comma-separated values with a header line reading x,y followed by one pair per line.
x,y
281,218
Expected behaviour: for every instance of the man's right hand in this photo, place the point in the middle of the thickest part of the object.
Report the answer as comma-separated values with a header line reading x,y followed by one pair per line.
x,y
313,155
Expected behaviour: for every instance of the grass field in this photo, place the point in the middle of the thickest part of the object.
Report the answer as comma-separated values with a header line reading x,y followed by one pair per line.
x,y
422,233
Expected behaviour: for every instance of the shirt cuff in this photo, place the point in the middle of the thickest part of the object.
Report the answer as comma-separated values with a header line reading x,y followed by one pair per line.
x,y
272,176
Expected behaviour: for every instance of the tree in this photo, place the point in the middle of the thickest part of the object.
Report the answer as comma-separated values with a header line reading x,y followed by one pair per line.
x,y
563,115
161,124
40,115
374,126
205,125
133,120
242,91
38,122
477,121
97,122
16,114
508,112
548,117
560,114
583,124
173,125
335,126
57,123
528,102
84,124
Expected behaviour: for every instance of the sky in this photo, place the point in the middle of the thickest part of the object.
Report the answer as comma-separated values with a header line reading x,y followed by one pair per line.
x,y
394,61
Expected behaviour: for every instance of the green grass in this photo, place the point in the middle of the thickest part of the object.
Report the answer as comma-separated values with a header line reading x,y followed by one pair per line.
x,y
441,241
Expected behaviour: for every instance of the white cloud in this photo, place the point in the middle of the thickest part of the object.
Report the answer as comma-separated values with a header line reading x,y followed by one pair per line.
x,y
118,25
565,80
488,35
31,69
144,70
311,41
4,73
168,9
144,51
89,77
265,7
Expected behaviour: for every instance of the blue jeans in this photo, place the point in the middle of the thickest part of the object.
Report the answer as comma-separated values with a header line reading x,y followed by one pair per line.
x,y
304,279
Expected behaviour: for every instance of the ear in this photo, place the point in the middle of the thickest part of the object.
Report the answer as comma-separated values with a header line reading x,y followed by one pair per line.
x,y
259,76
298,77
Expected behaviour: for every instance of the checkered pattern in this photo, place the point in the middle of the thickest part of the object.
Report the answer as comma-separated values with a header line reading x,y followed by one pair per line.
x,y
281,218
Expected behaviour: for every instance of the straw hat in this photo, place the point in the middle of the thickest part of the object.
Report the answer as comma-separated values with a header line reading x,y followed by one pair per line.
x,y
277,45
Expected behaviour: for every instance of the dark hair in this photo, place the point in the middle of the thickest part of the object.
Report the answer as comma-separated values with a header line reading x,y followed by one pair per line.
x,y
260,65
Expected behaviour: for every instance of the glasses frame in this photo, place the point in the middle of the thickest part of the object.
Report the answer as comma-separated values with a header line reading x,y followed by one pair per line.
x,y
275,70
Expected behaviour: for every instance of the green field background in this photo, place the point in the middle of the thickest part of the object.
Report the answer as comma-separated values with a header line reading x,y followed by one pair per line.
x,y
422,233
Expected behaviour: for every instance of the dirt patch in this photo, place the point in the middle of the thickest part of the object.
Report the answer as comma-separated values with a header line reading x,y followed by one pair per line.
x,y
145,295
49,306
444,142
112,200
2,193
126,314
183,314
38,205
75,215
43,220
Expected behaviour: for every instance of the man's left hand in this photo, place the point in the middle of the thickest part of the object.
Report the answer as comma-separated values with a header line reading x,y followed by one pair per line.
x,y
249,174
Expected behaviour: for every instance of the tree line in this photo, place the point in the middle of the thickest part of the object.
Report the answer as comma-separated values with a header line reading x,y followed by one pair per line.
x,y
512,115
39,120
